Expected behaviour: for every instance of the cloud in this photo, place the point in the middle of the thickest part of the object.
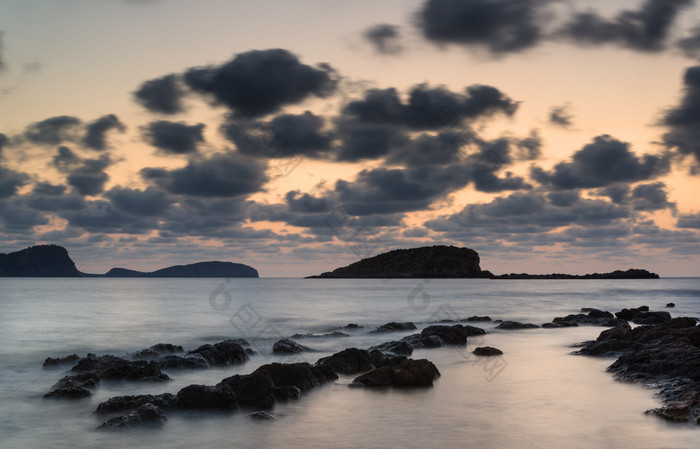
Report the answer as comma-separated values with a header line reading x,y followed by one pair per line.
x,y
95,136
286,135
560,116
368,141
65,159
646,29
48,189
143,203
430,108
4,141
99,216
683,121
221,175
11,181
603,162
174,137
162,95
651,197
53,131
259,82
689,221
89,178
384,38
498,26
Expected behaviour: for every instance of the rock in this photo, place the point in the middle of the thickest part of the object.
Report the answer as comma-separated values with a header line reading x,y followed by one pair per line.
x,y
213,269
594,317
73,387
652,318
124,403
262,416
630,314
674,412
380,358
451,335
394,348
680,322
487,351
408,373
52,363
227,352
394,327
194,361
109,367
206,397
145,415
560,324
353,326
478,318
595,313
157,350
347,361
254,390
328,335
300,375
38,261
514,325
72,391
670,304
287,346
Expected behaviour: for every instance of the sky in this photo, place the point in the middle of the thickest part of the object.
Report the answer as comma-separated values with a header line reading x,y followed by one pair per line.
x,y
297,137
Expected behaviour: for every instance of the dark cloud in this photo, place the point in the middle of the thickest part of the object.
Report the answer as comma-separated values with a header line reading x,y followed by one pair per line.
x,y
361,141
499,26
428,107
65,159
690,45
563,198
95,135
11,181
48,189
100,217
4,141
617,193
604,162
560,116
53,131
689,221
54,203
284,136
684,120
645,29
146,203
19,219
174,137
384,38
89,177
222,175
651,197
427,149
162,95
260,82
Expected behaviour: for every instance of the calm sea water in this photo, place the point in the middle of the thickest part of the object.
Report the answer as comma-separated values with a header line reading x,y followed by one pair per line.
x,y
536,396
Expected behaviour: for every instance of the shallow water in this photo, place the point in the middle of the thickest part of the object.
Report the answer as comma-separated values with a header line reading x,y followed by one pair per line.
x,y
536,395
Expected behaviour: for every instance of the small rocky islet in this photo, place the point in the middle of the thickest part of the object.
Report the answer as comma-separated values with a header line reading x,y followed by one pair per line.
x,y
660,352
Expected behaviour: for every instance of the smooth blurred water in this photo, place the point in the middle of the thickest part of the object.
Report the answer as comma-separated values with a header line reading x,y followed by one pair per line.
x,y
536,395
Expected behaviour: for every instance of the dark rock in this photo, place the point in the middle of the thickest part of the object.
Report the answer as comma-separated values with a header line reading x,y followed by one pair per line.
x,y
487,351
224,353
595,313
394,327
670,304
451,335
408,373
86,379
327,335
300,375
347,361
70,391
422,263
262,416
194,361
353,326
206,397
394,348
652,318
514,325
73,387
631,314
157,350
253,390
594,317
109,367
478,318
380,358
680,322
38,261
52,363
124,403
559,324
145,415
287,346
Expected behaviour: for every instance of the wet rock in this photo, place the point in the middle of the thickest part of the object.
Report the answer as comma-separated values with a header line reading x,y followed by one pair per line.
x,y
514,325
478,318
145,415
652,318
630,314
408,373
487,351
670,304
353,326
301,375
262,416
124,403
394,348
109,367
336,334
193,361
594,317
206,397
595,313
73,387
71,391
451,335
157,351
227,352
287,346
394,327
380,358
560,324
347,361
253,390
58,361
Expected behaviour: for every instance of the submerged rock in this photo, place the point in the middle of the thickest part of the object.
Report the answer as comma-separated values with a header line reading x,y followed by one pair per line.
x,y
192,361
514,325
301,375
157,350
394,327
408,373
124,403
254,390
74,387
206,397
145,415
487,351
394,348
72,391
287,346
478,318
109,367
336,334
347,361
55,362
228,352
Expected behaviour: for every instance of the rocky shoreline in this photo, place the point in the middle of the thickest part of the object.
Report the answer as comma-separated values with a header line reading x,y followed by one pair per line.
x,y
661,352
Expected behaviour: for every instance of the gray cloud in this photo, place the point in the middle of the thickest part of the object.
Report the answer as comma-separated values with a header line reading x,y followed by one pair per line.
x,y
4,141
89,177
161,95
384,38
11,181
560,116
53,131
498,26
143,203
689,221
221,175
645,29
65,159
174,137
259,82
651,197
683,121
95,135
603,162
48,189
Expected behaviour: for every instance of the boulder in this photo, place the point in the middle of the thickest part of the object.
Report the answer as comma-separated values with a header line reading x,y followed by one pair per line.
x,y
145,415
478,318
157,351
670,304
287,346
394,348
487,351
347,361
408,373
394,327
651,317
253,390
301,375
514,325
123,403
227,352
58,361
109,367
206,397
71,391
193,361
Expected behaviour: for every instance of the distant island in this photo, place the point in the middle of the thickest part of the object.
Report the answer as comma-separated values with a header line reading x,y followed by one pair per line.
x,y
54,261
449,262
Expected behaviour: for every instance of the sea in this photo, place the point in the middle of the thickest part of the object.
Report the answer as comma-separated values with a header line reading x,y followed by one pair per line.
x,y
537,395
